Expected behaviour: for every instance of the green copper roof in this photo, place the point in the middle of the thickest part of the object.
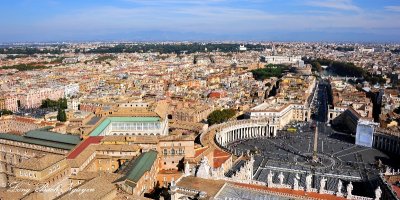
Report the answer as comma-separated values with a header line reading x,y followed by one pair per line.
x,y
108,120
140,165
43,134
19,138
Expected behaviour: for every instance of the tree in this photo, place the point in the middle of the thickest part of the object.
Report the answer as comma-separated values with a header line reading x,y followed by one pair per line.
x,y
220,116
61,115
63,103
5,112
60,103
269,71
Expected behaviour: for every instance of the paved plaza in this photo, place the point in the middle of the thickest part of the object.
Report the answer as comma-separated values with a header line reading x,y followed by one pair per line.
x,y
290,153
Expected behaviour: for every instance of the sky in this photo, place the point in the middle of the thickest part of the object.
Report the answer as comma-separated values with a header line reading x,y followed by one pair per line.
x,y
200,20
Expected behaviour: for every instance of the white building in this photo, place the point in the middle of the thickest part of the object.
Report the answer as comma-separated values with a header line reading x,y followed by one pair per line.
x,y
131,126
281,59
281,114
73,103
365,133
292,103
71,90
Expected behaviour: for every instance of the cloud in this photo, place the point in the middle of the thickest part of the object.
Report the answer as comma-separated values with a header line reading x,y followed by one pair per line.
x,y
346,5
202,19
208,19
393,8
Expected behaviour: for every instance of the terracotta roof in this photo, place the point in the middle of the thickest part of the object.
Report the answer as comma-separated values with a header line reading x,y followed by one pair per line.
x,y
199,151
82,157
134,139
292,192
211,187
178,138
38,164
219,158
96,188
83,145
117,147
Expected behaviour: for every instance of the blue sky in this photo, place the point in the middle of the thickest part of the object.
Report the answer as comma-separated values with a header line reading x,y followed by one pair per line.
x,y
146,20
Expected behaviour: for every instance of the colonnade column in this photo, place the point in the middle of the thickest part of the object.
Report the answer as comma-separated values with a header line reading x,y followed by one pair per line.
x,y
239,133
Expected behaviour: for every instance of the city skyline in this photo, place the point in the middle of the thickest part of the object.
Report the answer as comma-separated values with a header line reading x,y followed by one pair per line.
x,y
194,20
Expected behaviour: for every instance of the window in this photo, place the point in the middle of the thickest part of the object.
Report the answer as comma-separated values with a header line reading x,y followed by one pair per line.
x,y
165,152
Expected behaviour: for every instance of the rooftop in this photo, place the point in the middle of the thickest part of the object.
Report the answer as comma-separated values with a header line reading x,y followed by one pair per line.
x,y
100,128
140,165
211,187
38,164
44,134
82,146
36,141
96,188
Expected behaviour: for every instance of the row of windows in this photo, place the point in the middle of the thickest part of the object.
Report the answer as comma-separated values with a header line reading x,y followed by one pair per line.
x,y
173,152
27,174
135,126
30,146
54,168
179,144
135,134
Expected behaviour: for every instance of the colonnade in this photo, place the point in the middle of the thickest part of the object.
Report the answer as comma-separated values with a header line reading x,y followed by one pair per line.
x,y
387,143
241,132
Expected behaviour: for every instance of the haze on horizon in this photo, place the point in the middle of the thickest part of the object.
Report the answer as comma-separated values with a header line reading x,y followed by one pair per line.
x,y
162,20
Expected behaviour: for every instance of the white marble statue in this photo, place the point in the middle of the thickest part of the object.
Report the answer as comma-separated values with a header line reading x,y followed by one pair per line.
x,y
296,182
322,185
387,172
281,177
269,179
204,169
339,188
173,182
308,182
349,190
297,176
187,169
378,193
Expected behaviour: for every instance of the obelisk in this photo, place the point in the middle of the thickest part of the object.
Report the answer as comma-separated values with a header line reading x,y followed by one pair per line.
x,y
315,157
